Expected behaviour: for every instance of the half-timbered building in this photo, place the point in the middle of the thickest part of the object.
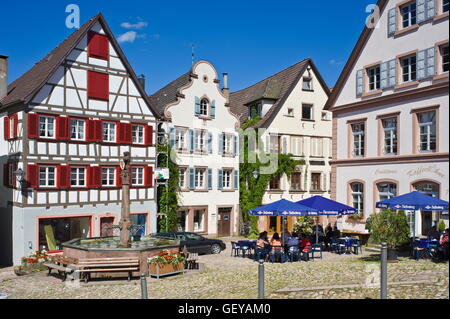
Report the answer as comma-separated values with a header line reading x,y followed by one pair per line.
x,y
203,135
65,124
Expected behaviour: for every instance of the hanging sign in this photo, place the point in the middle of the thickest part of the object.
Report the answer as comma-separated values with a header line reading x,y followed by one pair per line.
x,y
162,174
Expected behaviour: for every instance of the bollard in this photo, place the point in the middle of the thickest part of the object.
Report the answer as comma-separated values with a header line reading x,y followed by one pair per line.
x,y
144,287
261,279
383,271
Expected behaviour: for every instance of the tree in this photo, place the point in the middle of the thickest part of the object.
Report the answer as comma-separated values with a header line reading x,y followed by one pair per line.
x,y
390,227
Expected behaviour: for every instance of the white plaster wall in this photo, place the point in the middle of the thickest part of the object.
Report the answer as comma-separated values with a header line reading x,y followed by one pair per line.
x,y
405,124
380,47
183,114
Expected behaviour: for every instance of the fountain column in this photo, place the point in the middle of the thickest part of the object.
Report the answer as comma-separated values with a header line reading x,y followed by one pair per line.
x,y
125,221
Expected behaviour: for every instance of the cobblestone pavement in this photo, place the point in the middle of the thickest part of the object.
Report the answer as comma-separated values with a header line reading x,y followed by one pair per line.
x,y
230,277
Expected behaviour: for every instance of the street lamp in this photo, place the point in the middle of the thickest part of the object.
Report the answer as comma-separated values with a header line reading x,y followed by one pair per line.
x,y
20,174
256,174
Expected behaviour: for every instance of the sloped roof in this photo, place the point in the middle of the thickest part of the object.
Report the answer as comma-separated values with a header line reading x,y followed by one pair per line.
x,y
169,93
22,90
367,31
276,87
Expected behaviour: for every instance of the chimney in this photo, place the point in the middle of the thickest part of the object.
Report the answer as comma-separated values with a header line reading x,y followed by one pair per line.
x,y
3,76
141,79
225,89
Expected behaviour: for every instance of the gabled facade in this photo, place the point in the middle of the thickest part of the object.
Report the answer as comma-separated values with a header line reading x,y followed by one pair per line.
x,y
290,105
390,112
66,124
203,135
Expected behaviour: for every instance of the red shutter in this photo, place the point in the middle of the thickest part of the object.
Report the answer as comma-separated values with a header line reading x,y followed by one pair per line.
x,y
33,131
148,172
7,128
98,86
94,177
15,119
63,176
124,133
6,175
118,176
98,46
148,138
32,175
62,128
94,131
98,131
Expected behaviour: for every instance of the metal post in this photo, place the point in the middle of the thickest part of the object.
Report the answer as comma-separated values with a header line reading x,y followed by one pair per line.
x,y
384,271
261,279
144,292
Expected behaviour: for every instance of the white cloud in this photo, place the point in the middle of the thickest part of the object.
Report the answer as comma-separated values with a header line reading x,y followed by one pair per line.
x,y
130,36
334,62
136,26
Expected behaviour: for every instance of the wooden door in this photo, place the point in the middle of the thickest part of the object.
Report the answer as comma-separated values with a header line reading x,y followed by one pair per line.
x,y
105,227
224,222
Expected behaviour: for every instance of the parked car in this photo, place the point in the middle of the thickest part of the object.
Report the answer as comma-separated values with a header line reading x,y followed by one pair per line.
x,y
195,243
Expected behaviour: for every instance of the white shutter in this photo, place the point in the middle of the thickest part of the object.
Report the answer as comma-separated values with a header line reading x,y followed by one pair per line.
x,y
421,14
431,8
384,75
392,21
431,62
359,82
421,64
392,65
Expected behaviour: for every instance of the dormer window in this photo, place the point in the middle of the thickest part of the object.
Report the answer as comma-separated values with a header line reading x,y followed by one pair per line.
x,y
204,104
255,110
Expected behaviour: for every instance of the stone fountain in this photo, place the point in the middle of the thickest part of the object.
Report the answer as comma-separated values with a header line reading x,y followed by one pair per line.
x,y
123,246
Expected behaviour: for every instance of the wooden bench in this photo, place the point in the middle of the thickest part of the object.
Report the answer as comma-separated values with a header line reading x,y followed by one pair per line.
x,y
86,267
63,265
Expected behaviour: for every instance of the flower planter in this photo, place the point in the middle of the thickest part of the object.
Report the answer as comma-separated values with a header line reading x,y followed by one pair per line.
x,y
392,255
158,270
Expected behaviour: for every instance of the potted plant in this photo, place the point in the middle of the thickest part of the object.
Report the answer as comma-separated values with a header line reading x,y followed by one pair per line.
x,y
33,263
166,262
392,228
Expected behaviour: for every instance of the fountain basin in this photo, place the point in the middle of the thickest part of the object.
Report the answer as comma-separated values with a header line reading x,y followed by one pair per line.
x,y
109,248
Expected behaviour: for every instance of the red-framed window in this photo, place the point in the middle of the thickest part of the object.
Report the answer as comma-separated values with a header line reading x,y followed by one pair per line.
x,y
98,46
124,133
98,86
11,127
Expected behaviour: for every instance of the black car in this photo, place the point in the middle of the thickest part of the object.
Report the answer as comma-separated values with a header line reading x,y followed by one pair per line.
x,y
195,243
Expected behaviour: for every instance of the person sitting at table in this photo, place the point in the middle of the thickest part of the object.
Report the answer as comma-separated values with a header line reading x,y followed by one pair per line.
x,y
433,234
328,236
262,246
305,243
444,243
336,232
276,244
293,241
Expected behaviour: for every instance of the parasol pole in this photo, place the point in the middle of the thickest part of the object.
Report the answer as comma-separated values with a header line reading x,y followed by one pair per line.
x,y
317,229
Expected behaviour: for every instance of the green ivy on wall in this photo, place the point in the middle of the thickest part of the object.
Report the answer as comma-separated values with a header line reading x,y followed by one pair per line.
x,y
168,195
252,189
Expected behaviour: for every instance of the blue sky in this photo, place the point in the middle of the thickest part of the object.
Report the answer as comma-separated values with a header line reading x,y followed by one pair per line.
x,y
249,39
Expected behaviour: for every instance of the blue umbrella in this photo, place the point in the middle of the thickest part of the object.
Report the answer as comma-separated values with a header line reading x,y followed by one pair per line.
x,y
415,201
283,208
327,207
